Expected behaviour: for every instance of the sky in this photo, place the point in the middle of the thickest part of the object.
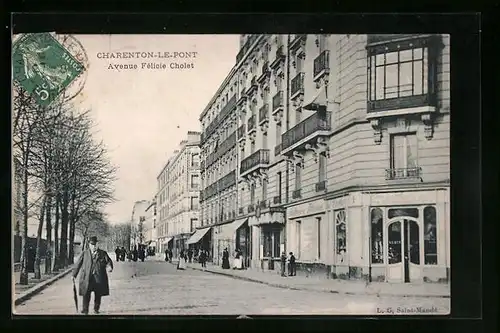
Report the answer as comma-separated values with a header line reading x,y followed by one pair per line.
x,y
143,114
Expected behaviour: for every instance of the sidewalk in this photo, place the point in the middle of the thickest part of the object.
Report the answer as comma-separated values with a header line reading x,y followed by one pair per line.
x,y
34,286
272,278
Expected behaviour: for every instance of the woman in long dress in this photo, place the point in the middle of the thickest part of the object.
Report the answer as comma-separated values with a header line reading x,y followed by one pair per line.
x,y
182,261
225,259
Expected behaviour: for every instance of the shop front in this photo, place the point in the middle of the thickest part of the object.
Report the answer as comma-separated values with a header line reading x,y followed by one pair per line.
x,y
233,236
404,236
201,239
307,231
266,235
166,243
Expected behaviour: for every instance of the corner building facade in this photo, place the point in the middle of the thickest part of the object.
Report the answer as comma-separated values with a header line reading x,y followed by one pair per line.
x,y
343,149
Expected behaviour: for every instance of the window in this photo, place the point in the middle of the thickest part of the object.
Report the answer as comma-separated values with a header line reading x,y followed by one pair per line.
x,y
264,189
252,194
271,240
430,236
298,234
194,203
318,223
279,83
377,236
322,167
394,254
195,160
404,156
341,237
252,147
279,184
195,181
298,174
402,70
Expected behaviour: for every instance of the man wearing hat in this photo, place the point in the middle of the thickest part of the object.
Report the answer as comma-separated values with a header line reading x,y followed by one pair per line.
x,y
93,276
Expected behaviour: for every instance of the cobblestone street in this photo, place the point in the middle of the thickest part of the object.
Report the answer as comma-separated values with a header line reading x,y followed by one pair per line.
x,y
157,288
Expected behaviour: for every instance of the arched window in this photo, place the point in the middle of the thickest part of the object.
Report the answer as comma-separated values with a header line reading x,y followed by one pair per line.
x,y
341,239
430,236
377,236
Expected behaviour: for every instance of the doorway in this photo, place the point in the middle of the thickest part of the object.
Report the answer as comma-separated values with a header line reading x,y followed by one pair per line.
x,y
403,250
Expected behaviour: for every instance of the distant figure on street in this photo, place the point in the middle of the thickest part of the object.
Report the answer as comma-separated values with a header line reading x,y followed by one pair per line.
x,y
283,263
123,253
237,263
169,256
291,265
135,253
117,253
166,254
225,259
202,258
181,265
92,265
140,253
190,255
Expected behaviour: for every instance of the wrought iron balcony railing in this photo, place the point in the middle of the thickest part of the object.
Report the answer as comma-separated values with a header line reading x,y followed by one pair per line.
x,y
260,157
251,208
318,121
403,173
279,57
246,47
241,132
278,101
277,200
321,64
251,123
277,149
264,113
297,85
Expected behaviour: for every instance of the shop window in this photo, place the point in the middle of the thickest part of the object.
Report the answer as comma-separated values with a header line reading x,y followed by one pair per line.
x,y
394,254
341,236
430,236
411,212
377,236
413,243
271,237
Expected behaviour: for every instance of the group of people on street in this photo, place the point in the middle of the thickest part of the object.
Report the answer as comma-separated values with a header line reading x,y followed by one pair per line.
x,y
237,262
168,255
133,254
188,256
288,262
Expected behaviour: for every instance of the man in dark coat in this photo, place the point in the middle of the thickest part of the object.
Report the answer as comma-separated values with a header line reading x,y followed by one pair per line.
x,y
92,265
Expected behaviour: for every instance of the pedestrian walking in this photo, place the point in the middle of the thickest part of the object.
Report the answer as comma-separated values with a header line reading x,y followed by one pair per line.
x,y
92,265
190,255
181,265
123,253
135,253
169,256
291,265
166,254
202,258
283,263
117,254
225,259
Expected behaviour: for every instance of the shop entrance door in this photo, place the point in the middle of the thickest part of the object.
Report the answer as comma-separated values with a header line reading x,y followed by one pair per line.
x,y
403,250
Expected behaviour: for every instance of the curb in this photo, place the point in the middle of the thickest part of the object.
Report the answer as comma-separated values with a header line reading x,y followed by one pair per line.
x,y
39,287
284,286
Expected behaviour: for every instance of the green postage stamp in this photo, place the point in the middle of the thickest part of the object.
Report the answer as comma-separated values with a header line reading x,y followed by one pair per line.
x,y
43,67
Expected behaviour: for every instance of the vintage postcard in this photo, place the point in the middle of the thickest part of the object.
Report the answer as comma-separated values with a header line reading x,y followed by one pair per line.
x,y
241,175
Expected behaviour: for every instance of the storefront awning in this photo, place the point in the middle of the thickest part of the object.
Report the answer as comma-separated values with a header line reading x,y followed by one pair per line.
x,y
319,101
197,236
239,223
166,241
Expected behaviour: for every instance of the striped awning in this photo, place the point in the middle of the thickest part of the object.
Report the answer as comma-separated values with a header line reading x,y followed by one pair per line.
x,y
198,235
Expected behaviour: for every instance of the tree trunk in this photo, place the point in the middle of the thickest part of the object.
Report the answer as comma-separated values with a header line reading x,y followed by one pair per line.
x,y
38,259
63,250
48,218
72,220
55,256
23,280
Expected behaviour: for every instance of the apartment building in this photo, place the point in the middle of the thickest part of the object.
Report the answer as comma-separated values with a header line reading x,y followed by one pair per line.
x,y
138,223
219,171
150,225
343,154
178,195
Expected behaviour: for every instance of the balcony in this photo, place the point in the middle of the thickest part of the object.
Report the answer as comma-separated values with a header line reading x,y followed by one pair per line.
x,y
251,124
263,204
298,41
257,160
251,208
279,58
227,181
241,133
297,86
321,65
317,125
253,87
277,149
278,102
277,200
264,114
296,194
404,174
321,186
214,125
265,73
241,211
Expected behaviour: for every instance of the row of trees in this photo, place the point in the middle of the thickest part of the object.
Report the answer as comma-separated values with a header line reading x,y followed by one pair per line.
x,y
119,235
64,177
